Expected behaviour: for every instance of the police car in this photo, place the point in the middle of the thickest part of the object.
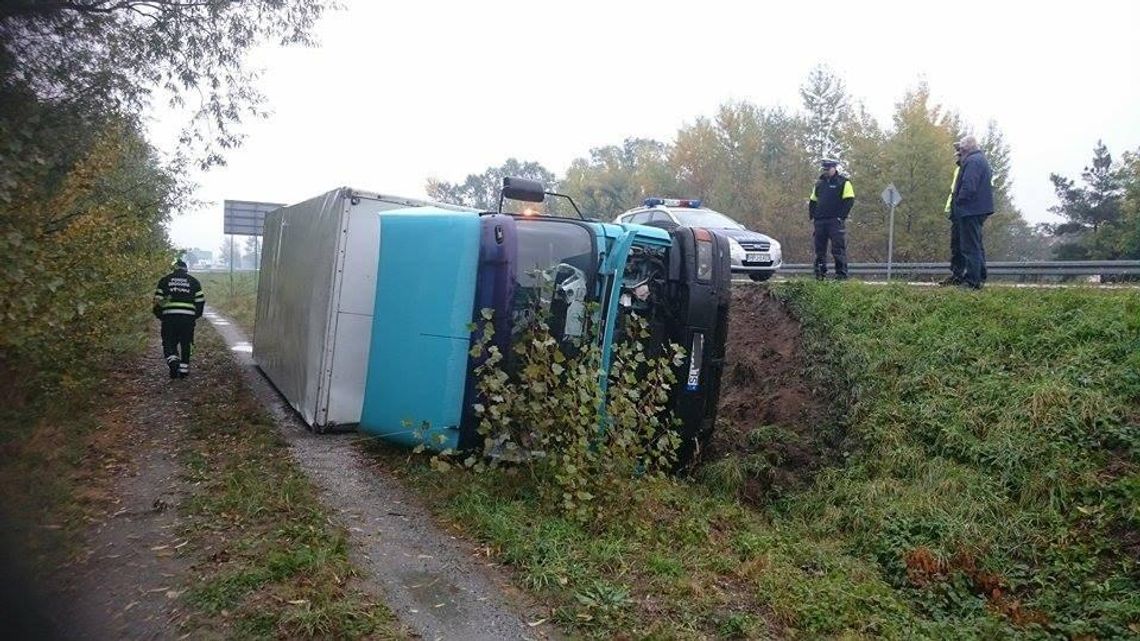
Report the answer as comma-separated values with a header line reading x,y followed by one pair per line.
x,y
755,254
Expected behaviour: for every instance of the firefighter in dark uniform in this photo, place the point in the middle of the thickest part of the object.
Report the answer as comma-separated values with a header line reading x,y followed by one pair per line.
x,y
178,303
828,207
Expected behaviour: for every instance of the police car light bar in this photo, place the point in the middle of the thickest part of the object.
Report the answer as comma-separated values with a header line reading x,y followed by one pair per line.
x,y
672,202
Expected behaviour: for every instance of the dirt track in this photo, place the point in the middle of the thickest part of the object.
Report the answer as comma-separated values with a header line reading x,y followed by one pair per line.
x,y
126,585
430,579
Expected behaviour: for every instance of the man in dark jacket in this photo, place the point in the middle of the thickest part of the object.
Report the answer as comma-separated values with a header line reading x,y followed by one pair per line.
x,y
973,202
178,303
828,207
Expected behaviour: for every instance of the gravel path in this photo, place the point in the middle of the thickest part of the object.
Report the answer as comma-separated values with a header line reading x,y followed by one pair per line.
x,y
431,579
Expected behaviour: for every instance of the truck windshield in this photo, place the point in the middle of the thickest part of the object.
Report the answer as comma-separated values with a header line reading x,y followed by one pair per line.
x,y
556,266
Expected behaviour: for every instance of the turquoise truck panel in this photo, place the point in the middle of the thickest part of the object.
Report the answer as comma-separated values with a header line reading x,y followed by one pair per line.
x,y
425,290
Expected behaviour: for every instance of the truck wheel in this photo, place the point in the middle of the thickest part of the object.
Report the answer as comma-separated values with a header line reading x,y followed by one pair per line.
x,y
760,277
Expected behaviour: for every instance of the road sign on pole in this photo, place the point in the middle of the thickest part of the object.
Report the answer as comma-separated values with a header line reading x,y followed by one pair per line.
x,y
892,198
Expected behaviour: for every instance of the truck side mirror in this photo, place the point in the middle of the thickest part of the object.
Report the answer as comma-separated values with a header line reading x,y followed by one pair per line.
x,y
530,191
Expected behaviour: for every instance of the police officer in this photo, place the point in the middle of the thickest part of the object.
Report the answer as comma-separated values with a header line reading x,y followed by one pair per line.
x,y
957,260
178,303
828,207
973,202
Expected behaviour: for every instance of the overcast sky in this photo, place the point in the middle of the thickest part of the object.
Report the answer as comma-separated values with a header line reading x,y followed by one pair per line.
x,y
402,91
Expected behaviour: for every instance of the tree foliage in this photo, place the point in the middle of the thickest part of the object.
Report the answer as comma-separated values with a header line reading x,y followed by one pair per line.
x,y
481,191
1095,225
1130,206
103,57
81,244
758,164
827,108
613,176
544,407
83,195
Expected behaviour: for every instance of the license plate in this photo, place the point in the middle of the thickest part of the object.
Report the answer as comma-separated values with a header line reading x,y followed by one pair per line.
x,y
759,258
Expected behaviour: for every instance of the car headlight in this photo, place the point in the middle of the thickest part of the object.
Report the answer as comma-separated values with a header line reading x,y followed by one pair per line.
x,y
736,251
776,251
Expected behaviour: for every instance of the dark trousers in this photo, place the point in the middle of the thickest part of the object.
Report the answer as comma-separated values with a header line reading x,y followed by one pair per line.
x,y
957,260
177,338
833,230
973,250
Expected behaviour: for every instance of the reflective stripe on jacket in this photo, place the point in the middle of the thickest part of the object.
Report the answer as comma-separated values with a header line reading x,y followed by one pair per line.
x,y
179,294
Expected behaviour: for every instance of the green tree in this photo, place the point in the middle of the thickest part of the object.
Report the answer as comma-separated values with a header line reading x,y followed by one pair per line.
x,y
83,195
1009,236
696,159
1092,212
827,108
103,57
1130,206
615,178
866,165
481,191
229,254
920,161
81,245
752,164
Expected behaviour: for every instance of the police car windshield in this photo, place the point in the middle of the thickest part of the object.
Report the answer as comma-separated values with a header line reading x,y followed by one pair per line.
x,y
705,218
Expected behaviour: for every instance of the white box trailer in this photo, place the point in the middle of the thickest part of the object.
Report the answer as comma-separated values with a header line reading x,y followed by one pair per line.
x,y
315,298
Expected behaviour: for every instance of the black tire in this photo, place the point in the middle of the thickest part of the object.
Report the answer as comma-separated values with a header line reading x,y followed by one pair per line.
x,y
760,277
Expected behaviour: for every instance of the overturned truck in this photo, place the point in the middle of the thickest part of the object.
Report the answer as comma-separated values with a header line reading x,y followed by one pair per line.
x,y
366,302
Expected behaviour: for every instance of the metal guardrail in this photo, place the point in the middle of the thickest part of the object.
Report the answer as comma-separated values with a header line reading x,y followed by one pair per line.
x,y
1048,268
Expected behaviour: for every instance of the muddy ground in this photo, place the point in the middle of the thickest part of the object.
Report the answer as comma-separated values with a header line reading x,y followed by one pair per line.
x,y
774,417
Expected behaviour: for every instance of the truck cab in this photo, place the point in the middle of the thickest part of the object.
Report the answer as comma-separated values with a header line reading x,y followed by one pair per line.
x,y
420,383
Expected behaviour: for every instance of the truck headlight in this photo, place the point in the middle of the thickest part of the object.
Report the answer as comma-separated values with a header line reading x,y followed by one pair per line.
x,y
704,254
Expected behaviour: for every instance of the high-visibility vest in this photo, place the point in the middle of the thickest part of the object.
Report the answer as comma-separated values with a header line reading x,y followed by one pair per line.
x,y
953,181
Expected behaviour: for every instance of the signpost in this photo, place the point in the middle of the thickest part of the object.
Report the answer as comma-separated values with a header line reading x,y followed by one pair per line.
x,y
244,218
892,198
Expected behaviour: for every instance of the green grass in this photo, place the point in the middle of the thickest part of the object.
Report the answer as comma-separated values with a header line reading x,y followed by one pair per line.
x,y
990,490
277,567
236,298
999,442
685,562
